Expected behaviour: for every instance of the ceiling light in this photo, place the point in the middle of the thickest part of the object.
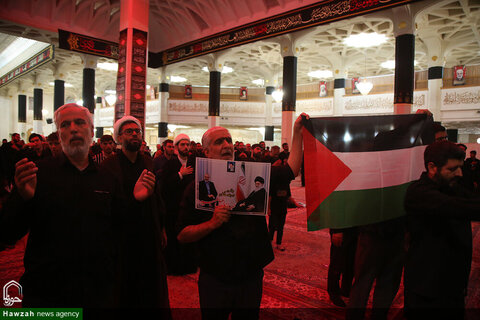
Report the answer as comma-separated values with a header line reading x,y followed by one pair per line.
x,y
364,87
111,99
259,129
44,112
390,64
110,66
258,82
365,40
225,69
109,91
277,95
178,79
173,127
80,102
67,85
320,74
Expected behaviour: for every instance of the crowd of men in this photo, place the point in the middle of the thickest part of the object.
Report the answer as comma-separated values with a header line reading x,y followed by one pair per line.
x,y
100,219
106,223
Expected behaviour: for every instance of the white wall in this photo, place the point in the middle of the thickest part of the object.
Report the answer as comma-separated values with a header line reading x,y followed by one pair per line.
x,y
6,122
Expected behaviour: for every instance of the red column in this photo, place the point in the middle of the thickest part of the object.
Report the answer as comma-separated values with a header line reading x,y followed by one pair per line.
x,y
132,60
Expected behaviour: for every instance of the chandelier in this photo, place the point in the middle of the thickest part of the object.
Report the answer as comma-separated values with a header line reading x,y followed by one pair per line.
x,y
365,86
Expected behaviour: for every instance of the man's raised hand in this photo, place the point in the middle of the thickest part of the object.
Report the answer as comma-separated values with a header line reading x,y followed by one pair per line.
x,y
26,178
144,186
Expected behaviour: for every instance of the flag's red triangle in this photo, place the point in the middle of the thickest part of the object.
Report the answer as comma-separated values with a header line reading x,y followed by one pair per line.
x,y
324,171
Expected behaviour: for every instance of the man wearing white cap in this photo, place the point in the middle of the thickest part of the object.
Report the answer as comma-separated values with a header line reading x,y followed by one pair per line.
x,y
143,271
175,176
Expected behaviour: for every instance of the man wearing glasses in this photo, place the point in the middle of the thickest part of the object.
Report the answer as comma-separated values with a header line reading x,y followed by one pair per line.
x,y
143,270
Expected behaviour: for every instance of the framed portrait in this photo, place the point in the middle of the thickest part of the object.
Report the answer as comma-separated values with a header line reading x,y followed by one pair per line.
x,y
459,73
188,91
243,93
323,89
242,186
354,86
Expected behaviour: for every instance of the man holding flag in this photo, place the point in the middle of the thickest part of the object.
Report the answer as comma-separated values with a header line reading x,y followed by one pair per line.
x,y
367,165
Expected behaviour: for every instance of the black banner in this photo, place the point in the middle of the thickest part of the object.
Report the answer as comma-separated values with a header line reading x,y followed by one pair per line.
x,y
294,20
80,43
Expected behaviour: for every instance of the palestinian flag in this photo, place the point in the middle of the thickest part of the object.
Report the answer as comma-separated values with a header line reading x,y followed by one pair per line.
x,y
357,169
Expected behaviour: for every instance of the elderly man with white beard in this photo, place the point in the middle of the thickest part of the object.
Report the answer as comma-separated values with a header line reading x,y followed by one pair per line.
x,y
71,210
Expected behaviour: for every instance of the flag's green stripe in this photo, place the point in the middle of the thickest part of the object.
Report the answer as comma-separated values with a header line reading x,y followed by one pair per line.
x,y
344,209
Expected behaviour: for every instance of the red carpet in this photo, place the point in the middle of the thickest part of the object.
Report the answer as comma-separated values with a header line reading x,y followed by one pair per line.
x,y
295,282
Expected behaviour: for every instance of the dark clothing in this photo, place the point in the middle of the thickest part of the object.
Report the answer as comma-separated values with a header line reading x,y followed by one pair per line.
x,y
236,251
8,157
379,257
32,155
283,155
159,162
342,259
172,185
71,258
471,174
219,299
438,221
256,199
281,176
180,257
203,191
143,267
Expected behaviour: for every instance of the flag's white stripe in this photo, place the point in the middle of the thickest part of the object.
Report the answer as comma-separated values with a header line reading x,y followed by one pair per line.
x,y
381,169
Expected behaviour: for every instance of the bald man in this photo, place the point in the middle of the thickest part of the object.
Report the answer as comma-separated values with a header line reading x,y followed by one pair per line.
x,y
232,249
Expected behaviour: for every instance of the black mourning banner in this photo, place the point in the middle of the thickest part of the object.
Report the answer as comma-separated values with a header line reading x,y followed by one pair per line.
x,y
312,15
81,43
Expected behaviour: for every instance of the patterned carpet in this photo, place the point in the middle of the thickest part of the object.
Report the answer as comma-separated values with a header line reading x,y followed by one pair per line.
x,y
295,282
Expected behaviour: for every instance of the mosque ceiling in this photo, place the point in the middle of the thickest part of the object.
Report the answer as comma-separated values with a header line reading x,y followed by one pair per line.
x,y
449,27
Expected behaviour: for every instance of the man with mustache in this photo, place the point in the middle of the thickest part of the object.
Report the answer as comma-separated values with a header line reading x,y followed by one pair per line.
x,y
232,249
71,210
439,211
142,235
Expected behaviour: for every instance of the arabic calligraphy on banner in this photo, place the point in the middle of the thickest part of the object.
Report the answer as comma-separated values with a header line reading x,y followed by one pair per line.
x,y
380,103
294,20
80,43
461,98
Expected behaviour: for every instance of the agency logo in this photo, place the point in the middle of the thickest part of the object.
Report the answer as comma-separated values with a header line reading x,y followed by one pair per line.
x,y
9,300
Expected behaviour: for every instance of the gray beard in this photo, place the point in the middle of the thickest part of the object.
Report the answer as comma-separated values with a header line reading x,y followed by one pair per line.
x,y
78,152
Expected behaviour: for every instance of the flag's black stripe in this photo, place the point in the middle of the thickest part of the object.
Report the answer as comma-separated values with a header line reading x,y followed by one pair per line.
x,y
372,133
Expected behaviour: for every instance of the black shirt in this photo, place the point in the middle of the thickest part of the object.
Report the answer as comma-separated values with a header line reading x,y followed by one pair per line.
x,y
71,254
440,248
240,248
236,251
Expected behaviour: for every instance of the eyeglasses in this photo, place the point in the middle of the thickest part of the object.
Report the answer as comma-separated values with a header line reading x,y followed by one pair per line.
x,y
131,131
